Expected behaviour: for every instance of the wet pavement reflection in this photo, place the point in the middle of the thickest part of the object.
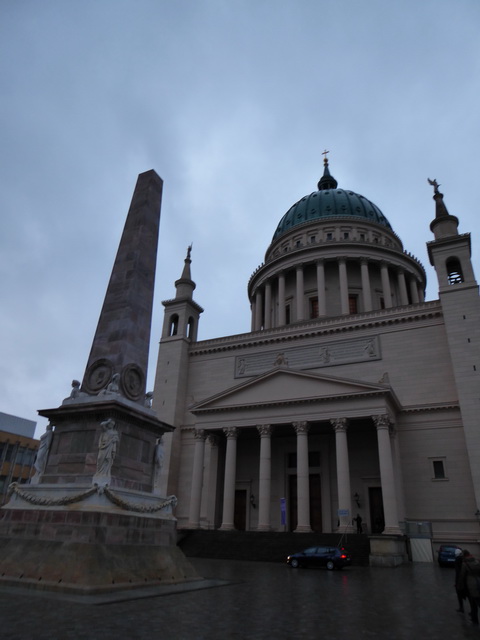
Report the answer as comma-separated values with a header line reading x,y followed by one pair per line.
x,y
259,600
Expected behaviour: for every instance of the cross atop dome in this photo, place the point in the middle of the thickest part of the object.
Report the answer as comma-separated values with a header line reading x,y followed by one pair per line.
x,y
326,181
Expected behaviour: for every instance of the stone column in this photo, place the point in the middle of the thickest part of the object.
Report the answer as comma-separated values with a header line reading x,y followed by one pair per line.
x,y
258,309
303,478
413,290
231,434
343,474
197,479
267,324
322,304
300,293
421,294
387,476
402,286
387,292
282,317
342,275
265,476
211,482
254,315
366,289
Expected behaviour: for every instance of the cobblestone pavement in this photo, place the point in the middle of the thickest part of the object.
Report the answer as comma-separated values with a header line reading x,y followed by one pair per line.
x,y
259,600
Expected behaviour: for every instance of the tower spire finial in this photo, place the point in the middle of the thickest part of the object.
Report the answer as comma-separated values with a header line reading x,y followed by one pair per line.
x,y
326,181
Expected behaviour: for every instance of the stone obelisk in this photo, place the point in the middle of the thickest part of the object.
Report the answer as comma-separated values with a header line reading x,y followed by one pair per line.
x,y
122,339
92,518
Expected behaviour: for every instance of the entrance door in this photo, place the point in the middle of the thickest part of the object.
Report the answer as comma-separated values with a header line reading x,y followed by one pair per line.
x,y
315,502
377,518
240,513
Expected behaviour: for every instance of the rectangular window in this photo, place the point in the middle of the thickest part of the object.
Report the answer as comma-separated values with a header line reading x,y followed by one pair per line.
x,y
438,467
313,308
438,470
288,318
353,303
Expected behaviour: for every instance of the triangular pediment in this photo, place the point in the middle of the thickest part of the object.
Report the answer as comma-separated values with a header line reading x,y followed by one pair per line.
x,y
284,386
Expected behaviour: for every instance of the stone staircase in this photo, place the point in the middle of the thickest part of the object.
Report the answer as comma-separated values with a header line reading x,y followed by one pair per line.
x,y
271,546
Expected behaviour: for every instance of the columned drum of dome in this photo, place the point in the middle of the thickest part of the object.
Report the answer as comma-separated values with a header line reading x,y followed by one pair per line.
x,y
333,253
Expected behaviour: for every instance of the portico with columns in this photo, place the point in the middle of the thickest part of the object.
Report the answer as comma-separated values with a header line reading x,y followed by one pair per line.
x,y
307,459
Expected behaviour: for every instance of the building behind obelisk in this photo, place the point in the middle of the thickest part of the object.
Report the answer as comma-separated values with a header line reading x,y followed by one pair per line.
x,y
92,518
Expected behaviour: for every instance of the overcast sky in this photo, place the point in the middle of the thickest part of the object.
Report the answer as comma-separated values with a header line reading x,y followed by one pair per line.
x,y
232,103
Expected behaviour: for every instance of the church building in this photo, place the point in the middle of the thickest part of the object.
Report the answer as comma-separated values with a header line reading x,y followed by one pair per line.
x,y
350,395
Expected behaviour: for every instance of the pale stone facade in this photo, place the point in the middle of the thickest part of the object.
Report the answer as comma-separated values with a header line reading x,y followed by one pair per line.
x,y
350,395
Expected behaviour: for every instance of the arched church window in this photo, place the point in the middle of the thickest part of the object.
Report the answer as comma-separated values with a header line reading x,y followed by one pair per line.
x,y
454,271
173,328
190,327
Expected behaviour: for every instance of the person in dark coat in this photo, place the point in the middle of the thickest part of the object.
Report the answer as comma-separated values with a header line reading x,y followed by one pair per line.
x,y
469,577
459,588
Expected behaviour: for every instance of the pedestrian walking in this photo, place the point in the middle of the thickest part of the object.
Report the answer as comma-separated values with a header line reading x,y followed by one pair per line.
x,y
470,578
459,587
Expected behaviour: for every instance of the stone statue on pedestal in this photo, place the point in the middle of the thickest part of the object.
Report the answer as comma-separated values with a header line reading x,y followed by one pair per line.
x,y
42,454
107,448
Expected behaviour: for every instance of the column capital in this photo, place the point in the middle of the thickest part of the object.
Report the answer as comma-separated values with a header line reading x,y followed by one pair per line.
x,y
366,261
382,421
231,432
301,427
199,434
264,430
339,424
212,440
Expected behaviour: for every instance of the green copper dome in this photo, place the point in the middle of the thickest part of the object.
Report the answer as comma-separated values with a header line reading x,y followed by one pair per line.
x,y
330,202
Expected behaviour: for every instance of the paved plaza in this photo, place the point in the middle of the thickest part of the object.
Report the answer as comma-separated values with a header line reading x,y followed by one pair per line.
x,y
246,600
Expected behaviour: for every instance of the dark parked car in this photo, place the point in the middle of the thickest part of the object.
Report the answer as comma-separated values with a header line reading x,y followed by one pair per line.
x,y
446,555
330,557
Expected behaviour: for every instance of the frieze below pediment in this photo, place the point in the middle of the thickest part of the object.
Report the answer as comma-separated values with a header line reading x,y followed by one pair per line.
x,y
309,357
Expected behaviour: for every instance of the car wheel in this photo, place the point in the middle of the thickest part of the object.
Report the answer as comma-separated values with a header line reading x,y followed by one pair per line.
x,y
294,563
330,565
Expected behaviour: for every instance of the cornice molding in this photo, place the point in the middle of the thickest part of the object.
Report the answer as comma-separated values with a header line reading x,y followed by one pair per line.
x,y
321,327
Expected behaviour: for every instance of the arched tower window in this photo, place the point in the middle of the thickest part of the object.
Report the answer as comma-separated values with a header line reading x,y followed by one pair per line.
x,y
190,327
454,271
173,328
